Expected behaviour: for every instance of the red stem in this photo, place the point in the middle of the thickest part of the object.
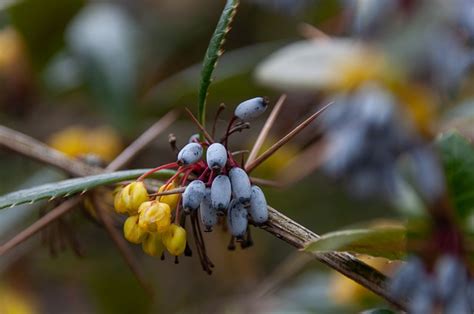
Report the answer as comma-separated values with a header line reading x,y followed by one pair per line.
x,y
166,166
231,122
203,174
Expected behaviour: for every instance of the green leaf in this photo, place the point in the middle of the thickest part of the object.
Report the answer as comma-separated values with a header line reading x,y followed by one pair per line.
x,y
213,52
388,242
457,156
73,186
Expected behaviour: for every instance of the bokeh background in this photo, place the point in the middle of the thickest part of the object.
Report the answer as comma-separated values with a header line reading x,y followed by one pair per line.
x,y
89,77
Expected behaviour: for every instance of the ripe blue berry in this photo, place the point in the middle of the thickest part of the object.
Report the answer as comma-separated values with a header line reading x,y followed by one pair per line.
x,y
190,154
193,195
216,156
450,274
221,192
240,182
251,109
423,297
237,220
207,213
405,280
258,206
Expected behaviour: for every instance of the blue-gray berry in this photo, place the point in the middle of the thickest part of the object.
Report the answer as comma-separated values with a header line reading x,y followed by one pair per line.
x,y
190,154
251,109
237,220
221,192
240,182
193,195
216,156
207,213
258,206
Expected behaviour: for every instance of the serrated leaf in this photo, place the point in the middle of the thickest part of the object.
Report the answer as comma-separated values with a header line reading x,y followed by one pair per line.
x,y
213,52
457,156
388,242
73,186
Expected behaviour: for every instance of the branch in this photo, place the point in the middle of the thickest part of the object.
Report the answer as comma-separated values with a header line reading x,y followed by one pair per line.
x,y
278,225
142,141
262,136
32,148
39,224
297,235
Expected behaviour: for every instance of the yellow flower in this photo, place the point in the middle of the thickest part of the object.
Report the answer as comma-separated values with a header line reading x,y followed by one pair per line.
x,y
155,216
119,205
174,239
132,231
129,199
153,244
14,301
172,199
78,141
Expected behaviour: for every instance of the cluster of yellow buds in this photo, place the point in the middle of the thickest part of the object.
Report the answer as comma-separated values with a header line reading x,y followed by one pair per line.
x,y
149,222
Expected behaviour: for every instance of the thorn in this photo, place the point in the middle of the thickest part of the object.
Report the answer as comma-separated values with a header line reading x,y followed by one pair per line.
x,y
269,152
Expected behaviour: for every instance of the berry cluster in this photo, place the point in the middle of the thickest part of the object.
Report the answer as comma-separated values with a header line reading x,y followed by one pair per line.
x,y
366,137
211,188
447,288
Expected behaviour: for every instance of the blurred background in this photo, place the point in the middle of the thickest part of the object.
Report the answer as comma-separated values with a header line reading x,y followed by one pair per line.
x,y
88,77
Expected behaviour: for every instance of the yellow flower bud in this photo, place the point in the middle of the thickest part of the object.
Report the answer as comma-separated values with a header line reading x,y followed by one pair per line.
x,y
119,204
155,217
174,239
132,230
172,199
153,245
133,195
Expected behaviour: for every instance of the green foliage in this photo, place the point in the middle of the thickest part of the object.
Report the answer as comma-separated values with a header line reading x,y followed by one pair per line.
x,y
73,186
457,156
42,24
388,242
213,52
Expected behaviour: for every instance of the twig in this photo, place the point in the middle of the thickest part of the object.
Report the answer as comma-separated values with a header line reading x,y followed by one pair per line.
x,y
266,182
142,141
121,245
279,225
49,158
199,125
285,139
298,236
32,148
169,192
265,130
40,224
216,118
312,32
